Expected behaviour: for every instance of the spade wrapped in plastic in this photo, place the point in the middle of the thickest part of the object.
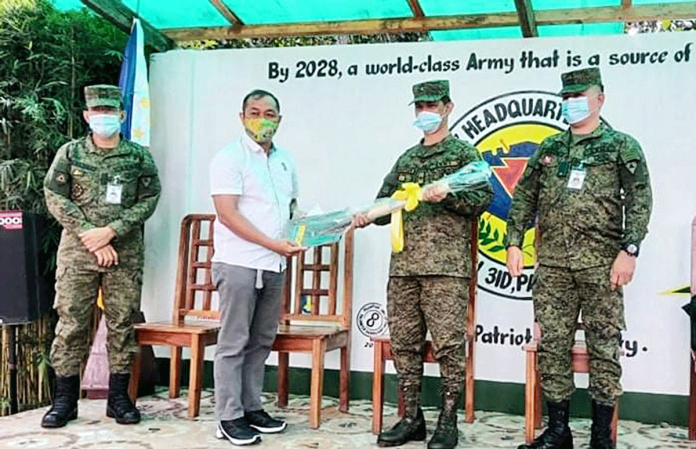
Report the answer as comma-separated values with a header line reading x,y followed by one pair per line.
x,y
472,176
323,229
316,230
381,207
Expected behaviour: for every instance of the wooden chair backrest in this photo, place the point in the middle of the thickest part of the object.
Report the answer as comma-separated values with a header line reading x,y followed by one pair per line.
x,y
194,285
473,282
693,258
311,299
693,314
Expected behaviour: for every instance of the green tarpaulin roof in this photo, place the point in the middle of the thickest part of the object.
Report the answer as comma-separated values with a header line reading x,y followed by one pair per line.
x,y
444,19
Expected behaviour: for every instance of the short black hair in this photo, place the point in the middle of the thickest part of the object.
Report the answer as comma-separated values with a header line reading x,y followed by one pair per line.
x,y
446,99
121,106
257,94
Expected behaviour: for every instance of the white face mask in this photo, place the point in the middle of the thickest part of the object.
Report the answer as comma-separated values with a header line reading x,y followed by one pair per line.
x,y
428,121
105,125
576,109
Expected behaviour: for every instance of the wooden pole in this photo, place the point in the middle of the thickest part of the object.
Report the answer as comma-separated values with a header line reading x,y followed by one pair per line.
x,y
525,12
225,10
12,365
122,17
634,13
416,8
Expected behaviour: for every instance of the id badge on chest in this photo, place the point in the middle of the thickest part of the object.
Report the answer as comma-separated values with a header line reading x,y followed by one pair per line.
x,y
576,178
114,191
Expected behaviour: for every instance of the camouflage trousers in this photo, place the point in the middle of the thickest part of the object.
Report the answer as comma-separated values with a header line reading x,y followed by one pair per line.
x,y
416,304
560,295
76,296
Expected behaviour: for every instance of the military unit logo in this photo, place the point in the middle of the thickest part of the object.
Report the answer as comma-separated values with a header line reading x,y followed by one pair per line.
x,y
507,130
372,320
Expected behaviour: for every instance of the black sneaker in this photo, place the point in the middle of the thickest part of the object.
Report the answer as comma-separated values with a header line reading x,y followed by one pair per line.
x,y
262,422
238,432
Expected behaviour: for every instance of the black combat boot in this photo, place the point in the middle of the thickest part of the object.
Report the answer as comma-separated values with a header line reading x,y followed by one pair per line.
x,y
119,405
557,435
412,425
601,426
446,434
64,406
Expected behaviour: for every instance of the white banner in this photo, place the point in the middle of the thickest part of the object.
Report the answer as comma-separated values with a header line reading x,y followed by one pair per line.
x,y
346,119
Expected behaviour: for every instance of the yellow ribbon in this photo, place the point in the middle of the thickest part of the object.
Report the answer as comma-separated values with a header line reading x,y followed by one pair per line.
x,y
412,194
301,229
100,298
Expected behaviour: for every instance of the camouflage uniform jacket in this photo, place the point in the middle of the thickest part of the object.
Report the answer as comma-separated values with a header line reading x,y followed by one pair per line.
x,y
75,189
583,228
437,236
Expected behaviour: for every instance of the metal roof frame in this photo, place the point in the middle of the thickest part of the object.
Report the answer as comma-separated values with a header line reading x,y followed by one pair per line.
x,y
525,17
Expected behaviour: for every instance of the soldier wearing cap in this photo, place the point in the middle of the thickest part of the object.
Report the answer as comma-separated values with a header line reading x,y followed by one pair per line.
x,y
428,281
591,190
101,188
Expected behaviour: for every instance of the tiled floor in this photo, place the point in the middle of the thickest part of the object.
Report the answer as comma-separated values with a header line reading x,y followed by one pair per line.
x,y
165,426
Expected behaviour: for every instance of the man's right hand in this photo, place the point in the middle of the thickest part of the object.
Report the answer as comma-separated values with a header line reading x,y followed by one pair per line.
x,y
361,220
97,238
515,261
286,248
106,256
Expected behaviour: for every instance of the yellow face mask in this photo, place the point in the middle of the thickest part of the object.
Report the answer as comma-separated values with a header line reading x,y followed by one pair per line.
x,y
261,130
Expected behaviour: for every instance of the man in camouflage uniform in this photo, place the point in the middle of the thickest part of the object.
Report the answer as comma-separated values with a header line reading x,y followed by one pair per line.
x,y
428,281
101,188
591,189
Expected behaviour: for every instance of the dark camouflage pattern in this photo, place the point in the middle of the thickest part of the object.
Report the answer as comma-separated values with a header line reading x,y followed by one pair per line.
x,y
76,293
75,189
580,80
431,91
583,228
559,296
437,236
416,304
102,95
428,284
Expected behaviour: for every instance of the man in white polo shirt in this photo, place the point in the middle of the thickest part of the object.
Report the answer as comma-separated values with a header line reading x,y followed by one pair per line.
x,y
254,188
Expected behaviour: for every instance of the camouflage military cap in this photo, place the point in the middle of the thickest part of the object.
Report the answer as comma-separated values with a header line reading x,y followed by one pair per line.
x,y
580,80
430,91
102,95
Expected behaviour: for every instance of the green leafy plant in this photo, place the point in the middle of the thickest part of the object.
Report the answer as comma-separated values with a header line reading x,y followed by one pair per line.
x,y
490,238
301,41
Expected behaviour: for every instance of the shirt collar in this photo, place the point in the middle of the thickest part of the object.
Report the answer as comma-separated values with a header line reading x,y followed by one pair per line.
x,y
598,132
119,149
253,145
429,150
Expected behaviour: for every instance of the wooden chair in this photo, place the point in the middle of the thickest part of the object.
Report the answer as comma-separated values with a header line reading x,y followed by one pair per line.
x,y
532,391
192,300
322,326
692,396
382,353
692,370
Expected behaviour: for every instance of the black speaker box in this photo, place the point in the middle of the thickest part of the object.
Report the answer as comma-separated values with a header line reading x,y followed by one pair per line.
x,y
25,292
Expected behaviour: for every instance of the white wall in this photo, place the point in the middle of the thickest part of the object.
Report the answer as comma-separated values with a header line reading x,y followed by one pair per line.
x,y
347,132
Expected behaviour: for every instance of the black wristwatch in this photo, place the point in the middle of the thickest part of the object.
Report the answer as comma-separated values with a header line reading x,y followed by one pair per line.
x,y
631,249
